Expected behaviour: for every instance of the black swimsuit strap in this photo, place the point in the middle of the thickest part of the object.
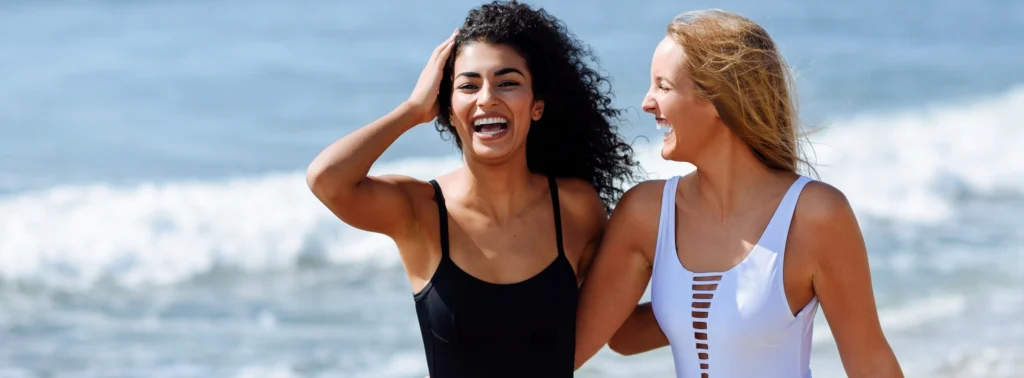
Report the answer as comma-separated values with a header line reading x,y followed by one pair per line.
x,y
442,212
553,185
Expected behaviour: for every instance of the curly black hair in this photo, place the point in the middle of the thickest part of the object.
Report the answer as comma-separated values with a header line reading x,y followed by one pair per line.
x,y
576,137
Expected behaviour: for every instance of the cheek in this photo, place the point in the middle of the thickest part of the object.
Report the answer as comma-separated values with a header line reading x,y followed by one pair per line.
x,y
461,110
520,103
685,114
674,110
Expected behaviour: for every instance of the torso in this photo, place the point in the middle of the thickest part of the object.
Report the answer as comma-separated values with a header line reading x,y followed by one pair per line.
x,y
729,293
502,300
495,252
722,245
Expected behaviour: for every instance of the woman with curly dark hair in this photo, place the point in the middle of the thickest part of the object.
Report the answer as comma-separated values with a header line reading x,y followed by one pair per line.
x,y
495,258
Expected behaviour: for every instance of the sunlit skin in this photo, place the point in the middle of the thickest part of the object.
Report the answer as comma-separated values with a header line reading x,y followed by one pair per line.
x,y
501,228
691,122
492,82
721,211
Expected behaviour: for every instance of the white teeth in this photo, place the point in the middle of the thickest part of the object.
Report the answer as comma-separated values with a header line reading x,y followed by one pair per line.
x,y
490,132
489,120
663,125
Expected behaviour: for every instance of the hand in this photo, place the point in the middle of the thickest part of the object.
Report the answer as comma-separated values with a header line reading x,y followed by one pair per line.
x,y
423,100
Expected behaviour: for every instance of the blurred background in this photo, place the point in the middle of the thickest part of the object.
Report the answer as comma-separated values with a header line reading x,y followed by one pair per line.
x,y
155,221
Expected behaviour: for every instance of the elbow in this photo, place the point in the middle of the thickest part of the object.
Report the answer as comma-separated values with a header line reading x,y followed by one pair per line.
x,y
870,359
617,345
883,365
623,351
619,349
314,177
320,182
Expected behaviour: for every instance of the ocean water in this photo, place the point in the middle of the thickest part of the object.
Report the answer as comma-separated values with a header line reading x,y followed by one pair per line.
x,y
154,218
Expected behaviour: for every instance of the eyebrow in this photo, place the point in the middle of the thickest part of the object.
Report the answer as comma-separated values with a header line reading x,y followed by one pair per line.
x,y
503,71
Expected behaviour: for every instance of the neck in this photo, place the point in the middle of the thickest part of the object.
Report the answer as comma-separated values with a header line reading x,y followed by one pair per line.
x,y
499,190
727,175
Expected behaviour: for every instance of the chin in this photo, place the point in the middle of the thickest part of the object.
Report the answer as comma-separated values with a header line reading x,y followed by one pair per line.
x,y
491,153
671,153
667,151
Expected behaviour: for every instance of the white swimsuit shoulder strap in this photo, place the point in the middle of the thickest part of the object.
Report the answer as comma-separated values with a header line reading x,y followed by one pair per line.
x,y
778,227
667,221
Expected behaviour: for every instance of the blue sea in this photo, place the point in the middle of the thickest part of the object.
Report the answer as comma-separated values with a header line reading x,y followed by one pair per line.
x,y
155,220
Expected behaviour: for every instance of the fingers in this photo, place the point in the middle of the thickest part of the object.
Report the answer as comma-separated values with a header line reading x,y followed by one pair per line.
x,y
439,51
452,37
445,50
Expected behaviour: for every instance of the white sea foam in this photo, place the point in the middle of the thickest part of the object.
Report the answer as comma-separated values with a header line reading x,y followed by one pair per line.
x,y
911,166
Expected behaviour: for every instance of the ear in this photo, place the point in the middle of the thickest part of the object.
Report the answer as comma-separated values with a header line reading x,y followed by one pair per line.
x,y
538,110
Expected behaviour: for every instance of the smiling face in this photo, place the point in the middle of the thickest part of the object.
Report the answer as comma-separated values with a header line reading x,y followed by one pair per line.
x,y
492,101
690,120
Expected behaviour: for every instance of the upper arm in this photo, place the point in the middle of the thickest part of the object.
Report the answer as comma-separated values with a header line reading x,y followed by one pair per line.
x,y
381,204
620,270
585,212
826,227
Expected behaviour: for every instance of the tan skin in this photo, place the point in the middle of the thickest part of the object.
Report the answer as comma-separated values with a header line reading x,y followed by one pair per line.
x,y
724,207
501,224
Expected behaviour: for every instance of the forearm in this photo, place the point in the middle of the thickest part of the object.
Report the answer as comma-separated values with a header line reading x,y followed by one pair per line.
x,y
878,362
346,162
639,333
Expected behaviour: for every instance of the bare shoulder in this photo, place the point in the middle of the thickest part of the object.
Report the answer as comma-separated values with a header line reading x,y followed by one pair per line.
x,y
824,218
581,204
634,223
581,199
822,205
584,212
583,221
420,195
642,197
577,191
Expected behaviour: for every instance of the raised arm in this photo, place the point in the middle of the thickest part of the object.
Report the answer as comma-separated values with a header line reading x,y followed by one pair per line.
x,y
620,269
338,175
825,225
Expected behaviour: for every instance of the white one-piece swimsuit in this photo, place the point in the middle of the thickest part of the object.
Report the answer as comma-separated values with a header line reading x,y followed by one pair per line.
x,y
736,323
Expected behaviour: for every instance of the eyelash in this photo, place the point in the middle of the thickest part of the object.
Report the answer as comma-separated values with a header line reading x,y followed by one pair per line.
x,y
471,86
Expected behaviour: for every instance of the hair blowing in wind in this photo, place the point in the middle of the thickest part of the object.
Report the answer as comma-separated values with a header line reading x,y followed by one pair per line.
x,y
738,68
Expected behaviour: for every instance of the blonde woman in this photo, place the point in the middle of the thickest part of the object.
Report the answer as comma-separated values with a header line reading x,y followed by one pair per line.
x,y
741,252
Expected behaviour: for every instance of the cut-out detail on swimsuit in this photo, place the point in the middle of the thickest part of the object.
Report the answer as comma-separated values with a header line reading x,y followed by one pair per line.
x,y
703,286
733,323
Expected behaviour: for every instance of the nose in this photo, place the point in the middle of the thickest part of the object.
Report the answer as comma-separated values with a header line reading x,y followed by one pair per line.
x,y
648,104
486,97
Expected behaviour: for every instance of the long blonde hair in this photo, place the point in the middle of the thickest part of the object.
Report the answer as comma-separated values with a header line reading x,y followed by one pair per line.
x,y
737,67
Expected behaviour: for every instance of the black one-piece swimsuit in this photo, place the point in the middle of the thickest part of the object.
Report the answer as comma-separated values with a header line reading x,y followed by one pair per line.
x,y
477,329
